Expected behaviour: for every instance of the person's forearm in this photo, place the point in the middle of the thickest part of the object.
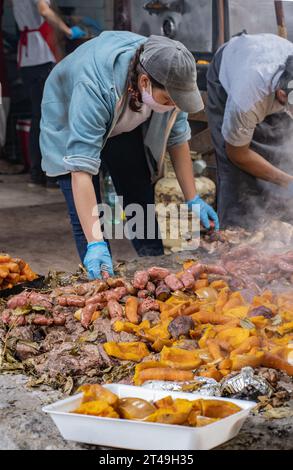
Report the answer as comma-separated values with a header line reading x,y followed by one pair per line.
x,y
182,163
52,18
85,203
254,164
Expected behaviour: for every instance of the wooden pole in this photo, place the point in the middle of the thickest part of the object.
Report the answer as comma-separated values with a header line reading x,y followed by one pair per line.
x,y
280,14
221,22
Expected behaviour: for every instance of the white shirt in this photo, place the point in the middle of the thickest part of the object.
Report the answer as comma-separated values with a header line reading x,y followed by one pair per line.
x,y
37,51
250,71
130,120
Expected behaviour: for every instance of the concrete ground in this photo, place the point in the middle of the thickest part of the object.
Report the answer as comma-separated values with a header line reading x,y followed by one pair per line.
x,y
34,225
23,425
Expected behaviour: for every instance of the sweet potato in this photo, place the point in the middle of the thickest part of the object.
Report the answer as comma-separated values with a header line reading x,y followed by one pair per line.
x,y
214,349
247,360
162,292
115,309
209,317
246,346
87,315
165,374
187,280
173,282
191,309
131,310
219,285
13,267
200,283
4,272
28,272
4,258
212,373
275,362
222,300
147,305
157,273
140,280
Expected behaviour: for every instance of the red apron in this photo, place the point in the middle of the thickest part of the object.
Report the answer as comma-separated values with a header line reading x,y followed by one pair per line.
x,y
48,35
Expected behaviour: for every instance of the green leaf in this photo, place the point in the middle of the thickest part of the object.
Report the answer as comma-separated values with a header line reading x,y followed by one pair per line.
x,y
21,311
89,337
38,308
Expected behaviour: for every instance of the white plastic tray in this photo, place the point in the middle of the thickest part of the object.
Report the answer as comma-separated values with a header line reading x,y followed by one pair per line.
x,y
137,435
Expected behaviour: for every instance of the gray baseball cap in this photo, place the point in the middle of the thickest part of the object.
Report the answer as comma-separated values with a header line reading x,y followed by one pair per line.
x,y
171,64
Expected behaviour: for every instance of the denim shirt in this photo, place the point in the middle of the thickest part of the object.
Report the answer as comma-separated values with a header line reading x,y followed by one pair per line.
x,y
84,97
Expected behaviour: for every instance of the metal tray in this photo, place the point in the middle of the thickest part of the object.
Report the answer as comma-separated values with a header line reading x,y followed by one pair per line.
x,y
18,288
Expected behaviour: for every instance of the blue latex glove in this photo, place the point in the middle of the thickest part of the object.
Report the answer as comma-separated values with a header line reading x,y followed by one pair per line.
x,y
77,33
98,260
204,212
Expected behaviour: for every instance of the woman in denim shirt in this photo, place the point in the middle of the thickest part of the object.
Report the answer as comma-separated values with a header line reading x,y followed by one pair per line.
x,y
121,100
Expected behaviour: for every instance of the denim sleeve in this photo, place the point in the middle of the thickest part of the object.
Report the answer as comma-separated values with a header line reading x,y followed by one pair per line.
x,y
89,118
180,132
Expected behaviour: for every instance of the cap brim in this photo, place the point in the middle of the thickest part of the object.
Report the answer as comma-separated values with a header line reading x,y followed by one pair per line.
x,y
187,101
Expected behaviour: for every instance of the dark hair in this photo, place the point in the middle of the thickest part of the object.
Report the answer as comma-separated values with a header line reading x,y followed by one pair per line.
x,y
135,69
287,76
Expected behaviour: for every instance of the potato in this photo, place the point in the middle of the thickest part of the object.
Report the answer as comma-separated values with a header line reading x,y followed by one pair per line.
x,y
135,408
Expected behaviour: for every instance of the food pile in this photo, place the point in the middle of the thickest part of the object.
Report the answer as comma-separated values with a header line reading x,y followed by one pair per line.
x,y
166,326
98,401
14,271
272,237
211,332
249,267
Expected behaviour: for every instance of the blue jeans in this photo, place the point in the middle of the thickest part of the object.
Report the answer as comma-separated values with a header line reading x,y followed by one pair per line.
x,y
124,158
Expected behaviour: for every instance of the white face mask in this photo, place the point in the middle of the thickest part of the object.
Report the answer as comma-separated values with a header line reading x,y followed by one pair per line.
x,y
148,99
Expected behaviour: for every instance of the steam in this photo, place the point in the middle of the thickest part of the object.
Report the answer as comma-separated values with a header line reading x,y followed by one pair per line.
x,y
266,201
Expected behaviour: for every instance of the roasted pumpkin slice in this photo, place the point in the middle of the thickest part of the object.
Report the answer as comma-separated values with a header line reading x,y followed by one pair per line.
x,y
135,351
218,409
180,358
97,392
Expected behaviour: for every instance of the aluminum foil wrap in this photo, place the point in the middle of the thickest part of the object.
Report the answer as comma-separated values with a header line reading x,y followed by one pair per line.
x,y
246,384
243,385
202,385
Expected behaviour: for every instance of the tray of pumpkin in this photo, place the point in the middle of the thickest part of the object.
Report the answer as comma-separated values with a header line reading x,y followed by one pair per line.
x,y
129,417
